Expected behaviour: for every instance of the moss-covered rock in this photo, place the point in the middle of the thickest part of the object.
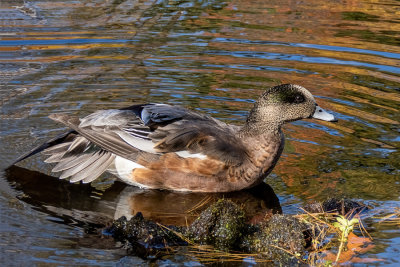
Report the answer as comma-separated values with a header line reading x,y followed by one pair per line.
x,y
144,236
280,239
221,225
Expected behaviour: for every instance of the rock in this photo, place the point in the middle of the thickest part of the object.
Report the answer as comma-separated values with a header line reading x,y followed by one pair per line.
x,y
221,225
280,239
144,236
343,206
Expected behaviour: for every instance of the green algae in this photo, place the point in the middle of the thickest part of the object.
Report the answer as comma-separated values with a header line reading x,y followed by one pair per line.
x,y
145,237
281,239
221,225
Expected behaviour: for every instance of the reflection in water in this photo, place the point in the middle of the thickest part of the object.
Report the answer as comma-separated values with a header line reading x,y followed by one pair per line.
x,y
73,202
82,204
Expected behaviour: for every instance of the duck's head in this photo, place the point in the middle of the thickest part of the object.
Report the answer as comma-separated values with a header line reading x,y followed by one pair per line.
x,y
285,103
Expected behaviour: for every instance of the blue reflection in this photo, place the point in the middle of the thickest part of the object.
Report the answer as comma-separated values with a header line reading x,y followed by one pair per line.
x,y
304,58
345,102
314,46
60,41
308,124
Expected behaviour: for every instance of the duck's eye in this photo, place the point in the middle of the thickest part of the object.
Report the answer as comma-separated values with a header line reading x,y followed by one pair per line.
x,y
298,99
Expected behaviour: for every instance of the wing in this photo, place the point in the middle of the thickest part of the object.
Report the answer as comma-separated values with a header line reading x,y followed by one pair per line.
x,y
95,140
76,157
210,138
175,129
160,128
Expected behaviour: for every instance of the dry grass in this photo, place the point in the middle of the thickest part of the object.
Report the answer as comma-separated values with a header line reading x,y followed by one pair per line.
x,y
200,204
208,255
327,236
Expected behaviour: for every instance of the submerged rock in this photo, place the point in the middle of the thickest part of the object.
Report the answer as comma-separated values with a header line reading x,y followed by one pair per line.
x,y
342,206
144,236
221,225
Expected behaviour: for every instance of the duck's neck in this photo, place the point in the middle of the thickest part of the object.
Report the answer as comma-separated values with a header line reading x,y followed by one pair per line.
x,y
266,145
253,129
256,124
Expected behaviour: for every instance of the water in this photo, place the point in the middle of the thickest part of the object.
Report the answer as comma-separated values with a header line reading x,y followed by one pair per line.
x,y
212,56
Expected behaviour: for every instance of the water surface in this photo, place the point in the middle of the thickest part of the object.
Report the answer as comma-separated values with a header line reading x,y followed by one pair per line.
x,y
212,56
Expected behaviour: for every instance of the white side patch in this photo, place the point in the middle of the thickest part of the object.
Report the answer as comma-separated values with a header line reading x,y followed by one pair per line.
x,y
124,170
187,154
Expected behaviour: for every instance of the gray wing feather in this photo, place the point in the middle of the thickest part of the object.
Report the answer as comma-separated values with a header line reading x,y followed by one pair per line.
x,y
94,169
60,148
79,159
87,166
78,145
70,162
97,170
55,157
107,140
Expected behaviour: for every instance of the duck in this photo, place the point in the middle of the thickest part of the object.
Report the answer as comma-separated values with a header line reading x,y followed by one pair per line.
x,y
160,146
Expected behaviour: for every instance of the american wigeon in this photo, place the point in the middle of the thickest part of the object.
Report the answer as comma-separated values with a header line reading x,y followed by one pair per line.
x,y
166,147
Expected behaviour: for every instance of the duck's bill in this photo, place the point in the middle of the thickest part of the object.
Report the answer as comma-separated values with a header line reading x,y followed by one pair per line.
x,y
323,115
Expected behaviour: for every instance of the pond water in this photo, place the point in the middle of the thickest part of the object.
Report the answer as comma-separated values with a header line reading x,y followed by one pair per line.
x,y
212,56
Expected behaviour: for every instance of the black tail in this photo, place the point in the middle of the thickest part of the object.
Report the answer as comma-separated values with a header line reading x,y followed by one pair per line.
x,y
57,140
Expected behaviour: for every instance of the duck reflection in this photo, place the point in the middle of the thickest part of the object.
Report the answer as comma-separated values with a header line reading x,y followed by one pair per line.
x,y
83,204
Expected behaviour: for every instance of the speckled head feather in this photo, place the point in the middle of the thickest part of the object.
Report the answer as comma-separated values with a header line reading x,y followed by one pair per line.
x,y
278,105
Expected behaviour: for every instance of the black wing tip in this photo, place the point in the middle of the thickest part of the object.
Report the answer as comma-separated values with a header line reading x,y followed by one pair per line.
x,y
31,153
57,140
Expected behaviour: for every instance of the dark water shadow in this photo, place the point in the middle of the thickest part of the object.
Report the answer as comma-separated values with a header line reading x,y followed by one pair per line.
x,y
83,205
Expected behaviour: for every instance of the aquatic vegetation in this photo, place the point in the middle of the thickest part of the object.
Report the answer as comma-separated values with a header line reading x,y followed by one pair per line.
x,y
331,226
222,232
221,225
345,226
146,238
281,238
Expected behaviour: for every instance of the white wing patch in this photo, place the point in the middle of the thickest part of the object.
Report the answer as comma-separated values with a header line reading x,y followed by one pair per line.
x,y
187,154
139,143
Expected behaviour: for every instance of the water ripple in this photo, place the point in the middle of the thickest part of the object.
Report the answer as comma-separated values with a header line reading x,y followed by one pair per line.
x,y
313,46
